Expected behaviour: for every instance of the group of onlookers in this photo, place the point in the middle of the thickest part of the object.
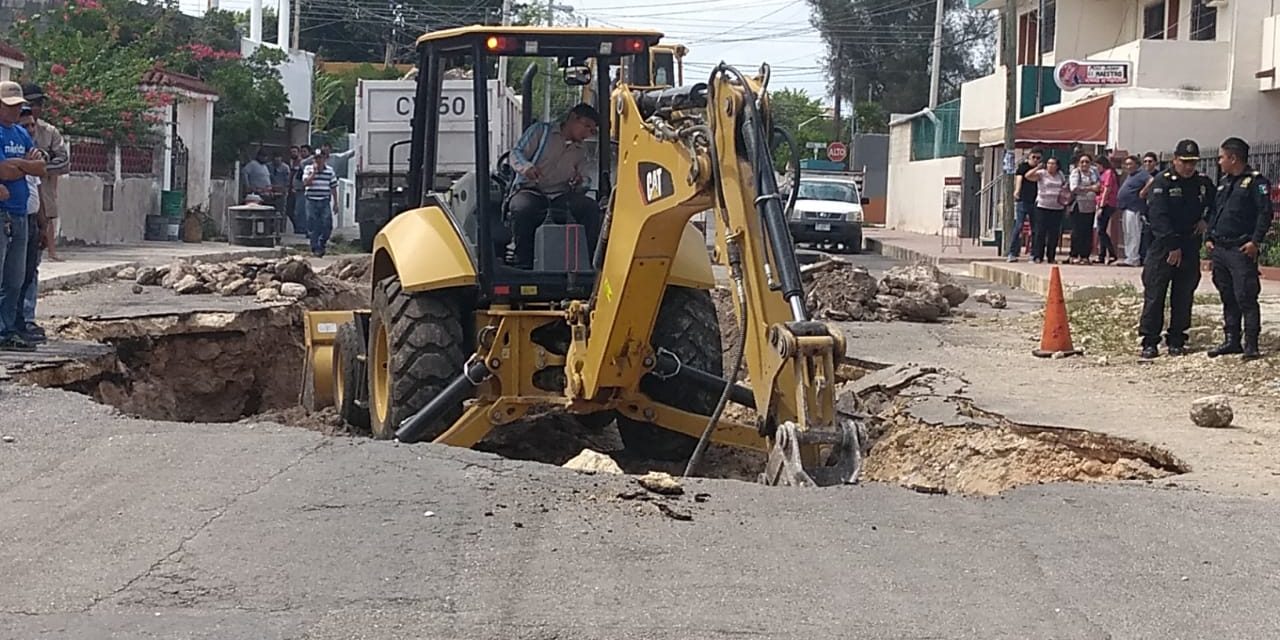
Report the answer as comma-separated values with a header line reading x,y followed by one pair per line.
x,y
304,189
1086,197
1170,215
32,156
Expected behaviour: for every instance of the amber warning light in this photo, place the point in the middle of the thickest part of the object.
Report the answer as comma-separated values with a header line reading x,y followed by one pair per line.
x,y
500,43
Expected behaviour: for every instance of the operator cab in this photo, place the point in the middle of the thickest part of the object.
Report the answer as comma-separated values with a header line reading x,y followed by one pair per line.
x,y
478,202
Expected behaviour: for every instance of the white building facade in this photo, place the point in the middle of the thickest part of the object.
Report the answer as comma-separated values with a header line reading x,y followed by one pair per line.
x,y
1200,69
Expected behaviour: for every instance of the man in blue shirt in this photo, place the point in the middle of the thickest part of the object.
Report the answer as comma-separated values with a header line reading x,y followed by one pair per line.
x,y
19,158
1134,205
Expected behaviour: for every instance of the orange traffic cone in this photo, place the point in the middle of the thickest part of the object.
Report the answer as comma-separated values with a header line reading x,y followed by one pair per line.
x,y
1055,338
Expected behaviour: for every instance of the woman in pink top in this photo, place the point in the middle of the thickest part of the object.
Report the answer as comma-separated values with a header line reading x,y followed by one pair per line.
x,y
1110,183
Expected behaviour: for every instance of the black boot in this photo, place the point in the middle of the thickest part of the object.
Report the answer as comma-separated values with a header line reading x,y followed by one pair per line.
x,y
1230,346
1251,351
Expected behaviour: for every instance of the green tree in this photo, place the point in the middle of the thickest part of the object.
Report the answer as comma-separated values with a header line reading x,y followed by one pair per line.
x,y
341,112
801,116
883,46
90,56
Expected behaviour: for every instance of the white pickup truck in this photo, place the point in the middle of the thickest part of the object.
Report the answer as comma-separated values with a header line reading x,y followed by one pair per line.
x,y
384,111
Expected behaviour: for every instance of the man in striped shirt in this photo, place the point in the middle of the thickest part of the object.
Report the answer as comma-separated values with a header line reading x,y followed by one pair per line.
x,y
321,189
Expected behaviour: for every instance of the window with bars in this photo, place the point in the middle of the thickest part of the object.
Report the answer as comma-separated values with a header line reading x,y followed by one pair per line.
x,y
1204,21
1153,21
1048,26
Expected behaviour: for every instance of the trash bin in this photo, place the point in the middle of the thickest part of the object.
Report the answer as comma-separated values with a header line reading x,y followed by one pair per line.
x,y
171,203
254,225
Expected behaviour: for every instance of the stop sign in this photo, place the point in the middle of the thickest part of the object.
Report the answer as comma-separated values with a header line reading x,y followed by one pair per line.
x,y
836,152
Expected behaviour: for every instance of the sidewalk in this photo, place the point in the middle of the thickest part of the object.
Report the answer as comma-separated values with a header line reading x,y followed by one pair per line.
x,y
86,265
1078,281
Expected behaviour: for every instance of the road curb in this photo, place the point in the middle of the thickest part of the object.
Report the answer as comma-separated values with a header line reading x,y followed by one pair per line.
x,y
100,274
1037,284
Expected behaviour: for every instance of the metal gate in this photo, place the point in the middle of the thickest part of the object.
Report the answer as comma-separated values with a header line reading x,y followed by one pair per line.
x,y
178,160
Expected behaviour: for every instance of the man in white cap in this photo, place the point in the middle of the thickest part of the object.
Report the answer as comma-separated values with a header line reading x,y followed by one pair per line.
x,y
19,158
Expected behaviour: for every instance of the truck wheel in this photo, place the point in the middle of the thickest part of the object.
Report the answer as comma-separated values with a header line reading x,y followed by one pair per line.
x,y
416,348
348,376
687,325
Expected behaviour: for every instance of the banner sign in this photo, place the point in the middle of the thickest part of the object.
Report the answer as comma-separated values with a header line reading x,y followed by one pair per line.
x,y
1076,74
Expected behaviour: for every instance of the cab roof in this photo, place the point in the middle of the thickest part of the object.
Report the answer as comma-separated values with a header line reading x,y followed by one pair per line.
x,y
579,36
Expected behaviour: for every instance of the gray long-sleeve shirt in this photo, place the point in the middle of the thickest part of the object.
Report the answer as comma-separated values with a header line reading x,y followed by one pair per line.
x,y
1128,197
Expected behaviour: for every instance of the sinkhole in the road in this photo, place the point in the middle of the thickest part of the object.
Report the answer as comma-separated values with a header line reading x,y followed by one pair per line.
x,y
247,365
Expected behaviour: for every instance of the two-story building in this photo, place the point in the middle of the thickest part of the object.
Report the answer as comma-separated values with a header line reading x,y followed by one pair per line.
x,y
1203,69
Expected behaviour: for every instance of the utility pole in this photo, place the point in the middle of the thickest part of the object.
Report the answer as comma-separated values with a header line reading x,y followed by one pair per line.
x,y
839,85
935,73
853,107
297,24
1009,56
1040,29
546,85
502,61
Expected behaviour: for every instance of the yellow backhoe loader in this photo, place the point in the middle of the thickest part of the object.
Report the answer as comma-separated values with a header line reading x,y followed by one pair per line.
x,y
458,341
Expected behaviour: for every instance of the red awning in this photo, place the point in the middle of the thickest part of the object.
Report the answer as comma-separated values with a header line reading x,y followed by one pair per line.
x,y
1085,122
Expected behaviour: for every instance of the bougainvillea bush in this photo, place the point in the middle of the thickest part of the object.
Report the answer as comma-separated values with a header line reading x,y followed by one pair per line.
x,y
90,55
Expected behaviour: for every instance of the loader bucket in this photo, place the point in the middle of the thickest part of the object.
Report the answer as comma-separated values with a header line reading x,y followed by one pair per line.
x,y
317,370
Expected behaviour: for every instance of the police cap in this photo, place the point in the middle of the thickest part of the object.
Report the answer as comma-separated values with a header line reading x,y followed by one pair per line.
x,y
1187,150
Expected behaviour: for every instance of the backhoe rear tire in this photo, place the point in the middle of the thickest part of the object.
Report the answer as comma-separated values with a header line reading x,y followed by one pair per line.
x,y
688,326
349,375
417,346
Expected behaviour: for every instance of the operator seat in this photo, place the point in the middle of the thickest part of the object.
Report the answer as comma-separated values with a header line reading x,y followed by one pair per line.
x,y
560,243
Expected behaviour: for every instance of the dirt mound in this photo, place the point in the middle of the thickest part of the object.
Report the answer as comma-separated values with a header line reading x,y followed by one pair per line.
x,y
284,280
987,460
326,420
840,291
350,268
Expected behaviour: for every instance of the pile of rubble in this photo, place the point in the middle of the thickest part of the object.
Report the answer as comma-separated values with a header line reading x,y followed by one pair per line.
x,y
350,268
915,293
269,280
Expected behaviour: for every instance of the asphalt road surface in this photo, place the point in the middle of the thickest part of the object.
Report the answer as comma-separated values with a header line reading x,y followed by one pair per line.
x,y
112,527
118,528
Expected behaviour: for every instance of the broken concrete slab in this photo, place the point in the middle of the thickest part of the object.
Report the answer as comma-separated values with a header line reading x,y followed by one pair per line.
x,y
888,379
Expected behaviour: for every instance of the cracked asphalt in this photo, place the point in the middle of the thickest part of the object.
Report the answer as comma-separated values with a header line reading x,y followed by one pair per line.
x,y
112,527
118,528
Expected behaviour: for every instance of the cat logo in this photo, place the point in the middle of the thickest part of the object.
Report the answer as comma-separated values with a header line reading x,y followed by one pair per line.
x,y
656,181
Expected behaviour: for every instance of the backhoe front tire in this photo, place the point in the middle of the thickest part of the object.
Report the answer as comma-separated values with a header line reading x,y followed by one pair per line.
x,y
349,375
416,348
688,326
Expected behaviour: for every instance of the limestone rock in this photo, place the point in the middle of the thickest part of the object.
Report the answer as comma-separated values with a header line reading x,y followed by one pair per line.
x,y
293,290
292,270
127,273
659,482
593,462
137,288
148,276
1212,412
237,287
994,299
188,285
268,294
176,272
923,276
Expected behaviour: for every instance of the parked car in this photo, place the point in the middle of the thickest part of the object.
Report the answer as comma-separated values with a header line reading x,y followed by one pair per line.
x,y
828,213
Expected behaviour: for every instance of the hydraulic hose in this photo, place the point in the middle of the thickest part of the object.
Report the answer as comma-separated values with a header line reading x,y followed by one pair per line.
x,y
795,162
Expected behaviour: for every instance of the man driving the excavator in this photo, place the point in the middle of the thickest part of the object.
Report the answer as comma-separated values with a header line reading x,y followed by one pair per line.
x,y
548,164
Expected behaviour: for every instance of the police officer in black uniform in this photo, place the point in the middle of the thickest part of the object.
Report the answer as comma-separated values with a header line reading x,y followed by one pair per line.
x,y
1178,211
1236,232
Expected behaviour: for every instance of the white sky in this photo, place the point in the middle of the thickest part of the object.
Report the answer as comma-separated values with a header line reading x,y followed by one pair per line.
x,y
741,32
